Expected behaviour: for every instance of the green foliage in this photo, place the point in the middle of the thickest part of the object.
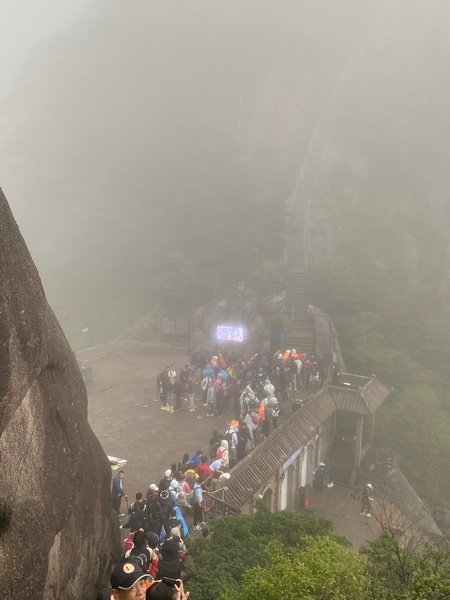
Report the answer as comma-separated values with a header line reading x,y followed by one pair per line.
x,y
296,557
414,421
431,585
323,569
240,543
390,565
369,353
399,572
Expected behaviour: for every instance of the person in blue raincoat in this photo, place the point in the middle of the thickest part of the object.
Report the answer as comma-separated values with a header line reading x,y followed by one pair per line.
x,y
179,517
224,375
209,372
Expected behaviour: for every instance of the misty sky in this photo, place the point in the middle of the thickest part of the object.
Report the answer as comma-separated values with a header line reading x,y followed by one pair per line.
x,y
129,124
26,23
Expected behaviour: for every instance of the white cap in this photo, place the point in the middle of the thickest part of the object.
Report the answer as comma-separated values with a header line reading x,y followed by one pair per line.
x,y
153,487
168,473
369,485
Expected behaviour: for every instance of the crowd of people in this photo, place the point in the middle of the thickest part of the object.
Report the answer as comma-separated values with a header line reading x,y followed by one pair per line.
x,y
252,392
160,521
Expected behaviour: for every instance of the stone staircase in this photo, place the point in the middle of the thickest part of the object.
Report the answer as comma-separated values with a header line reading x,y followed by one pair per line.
x,y
341,474
301,333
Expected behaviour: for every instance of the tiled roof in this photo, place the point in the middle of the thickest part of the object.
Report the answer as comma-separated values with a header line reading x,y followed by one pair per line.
x,y
346,399
374,394
365,399
249,475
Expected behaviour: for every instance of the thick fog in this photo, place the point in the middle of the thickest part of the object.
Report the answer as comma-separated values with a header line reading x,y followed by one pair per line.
x,y
151,145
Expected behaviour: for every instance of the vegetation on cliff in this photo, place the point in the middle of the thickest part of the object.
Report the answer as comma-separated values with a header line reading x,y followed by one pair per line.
x,y
292,556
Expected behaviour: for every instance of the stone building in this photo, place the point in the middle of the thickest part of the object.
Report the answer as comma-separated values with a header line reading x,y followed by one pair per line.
x,y
336,424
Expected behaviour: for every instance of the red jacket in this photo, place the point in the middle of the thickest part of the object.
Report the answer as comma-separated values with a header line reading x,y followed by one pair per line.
x,y
204,471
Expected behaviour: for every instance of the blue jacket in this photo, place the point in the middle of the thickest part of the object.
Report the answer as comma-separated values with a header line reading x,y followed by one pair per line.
x,y
194,461
184,525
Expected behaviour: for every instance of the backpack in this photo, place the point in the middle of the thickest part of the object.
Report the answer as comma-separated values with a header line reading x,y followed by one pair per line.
x,y
227,437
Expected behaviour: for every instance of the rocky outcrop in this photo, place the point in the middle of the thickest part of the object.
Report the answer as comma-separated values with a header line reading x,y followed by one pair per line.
x,y
57,532
326,339
264,322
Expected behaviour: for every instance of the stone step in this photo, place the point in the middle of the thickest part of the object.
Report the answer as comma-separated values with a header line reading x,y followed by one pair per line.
x,y
307,348
296,341
341,474
300,345
296,323
303,334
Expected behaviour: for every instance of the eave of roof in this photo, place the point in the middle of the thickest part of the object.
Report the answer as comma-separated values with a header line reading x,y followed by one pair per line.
x,y
256,469
364,400
250,475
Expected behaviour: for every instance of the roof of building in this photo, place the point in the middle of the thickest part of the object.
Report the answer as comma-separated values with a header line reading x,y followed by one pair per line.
x,y
249,475
395,486
358,394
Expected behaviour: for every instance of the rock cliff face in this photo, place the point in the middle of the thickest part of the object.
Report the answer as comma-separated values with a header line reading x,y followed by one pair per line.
x,y
263,322
57,533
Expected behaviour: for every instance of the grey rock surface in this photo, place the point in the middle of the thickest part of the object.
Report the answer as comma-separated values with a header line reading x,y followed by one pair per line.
x,y
325,336
58,535
255,320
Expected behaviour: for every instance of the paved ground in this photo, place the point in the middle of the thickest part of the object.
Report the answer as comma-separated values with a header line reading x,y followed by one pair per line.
x,y
129,424
341,507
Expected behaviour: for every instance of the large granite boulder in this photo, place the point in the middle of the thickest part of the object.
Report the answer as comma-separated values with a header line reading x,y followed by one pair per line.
x,y
326,339
248,314
58,535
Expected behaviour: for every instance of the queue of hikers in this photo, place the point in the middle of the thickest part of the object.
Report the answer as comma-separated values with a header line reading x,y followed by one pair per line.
x,y
252,393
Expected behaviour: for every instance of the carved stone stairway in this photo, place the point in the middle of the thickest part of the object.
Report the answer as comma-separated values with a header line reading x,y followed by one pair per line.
x,y
301,333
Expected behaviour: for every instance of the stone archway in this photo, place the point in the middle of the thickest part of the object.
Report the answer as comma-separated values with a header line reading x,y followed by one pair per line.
x,y
291,487
310,451
268,499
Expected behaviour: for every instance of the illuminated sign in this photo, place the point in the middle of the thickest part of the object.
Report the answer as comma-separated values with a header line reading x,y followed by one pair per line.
x,y
230,333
